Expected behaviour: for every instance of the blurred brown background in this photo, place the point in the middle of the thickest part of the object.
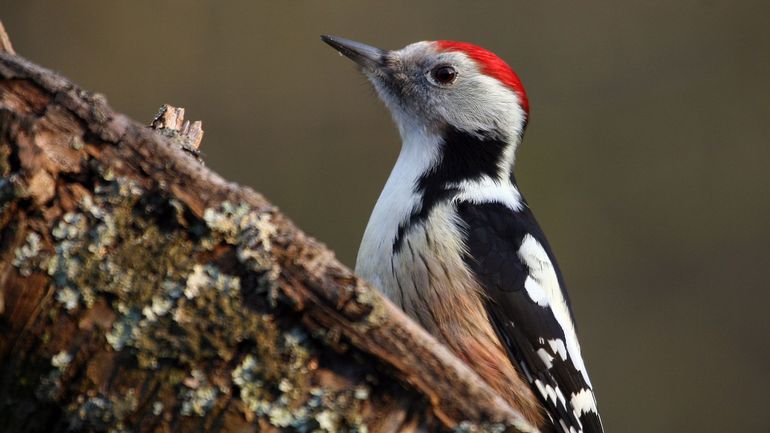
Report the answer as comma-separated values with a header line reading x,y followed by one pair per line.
x,y
646,158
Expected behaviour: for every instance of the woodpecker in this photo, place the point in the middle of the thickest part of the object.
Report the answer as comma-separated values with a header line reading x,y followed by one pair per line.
x,y
451,239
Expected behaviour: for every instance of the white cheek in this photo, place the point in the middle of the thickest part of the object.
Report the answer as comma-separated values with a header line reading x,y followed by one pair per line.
x,y
479,103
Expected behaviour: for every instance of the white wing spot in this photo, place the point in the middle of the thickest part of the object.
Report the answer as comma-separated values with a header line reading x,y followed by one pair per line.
x,y
551,393
536,292
561,397
541,270
557,347
583,402
546,357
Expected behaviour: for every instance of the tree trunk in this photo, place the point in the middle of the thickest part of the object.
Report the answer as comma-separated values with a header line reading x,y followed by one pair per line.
x,y
141,292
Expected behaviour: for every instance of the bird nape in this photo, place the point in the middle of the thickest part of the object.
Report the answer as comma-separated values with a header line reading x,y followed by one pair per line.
x,y
452,241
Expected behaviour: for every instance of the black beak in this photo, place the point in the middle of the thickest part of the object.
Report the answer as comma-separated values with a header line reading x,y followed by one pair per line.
x,y
364,55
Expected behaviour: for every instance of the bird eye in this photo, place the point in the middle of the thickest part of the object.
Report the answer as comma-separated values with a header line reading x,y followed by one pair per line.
x,y
444,74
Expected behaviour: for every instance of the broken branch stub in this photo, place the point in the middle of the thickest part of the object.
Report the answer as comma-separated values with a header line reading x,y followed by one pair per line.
x,y
5,41
170,122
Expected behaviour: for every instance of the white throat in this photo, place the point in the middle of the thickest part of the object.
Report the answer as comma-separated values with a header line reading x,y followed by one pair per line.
x,y
419,152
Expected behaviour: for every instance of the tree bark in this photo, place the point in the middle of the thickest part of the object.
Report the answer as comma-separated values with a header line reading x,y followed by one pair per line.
x,y
141,292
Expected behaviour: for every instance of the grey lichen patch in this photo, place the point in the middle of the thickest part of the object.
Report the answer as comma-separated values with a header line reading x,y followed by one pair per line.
x,y
26,256
484,427
250,232
228,220
195,314
272,383
205,277
50,385
113,244
61,360
162,302
272,380
328,421
197,395
157,408
361,392
86,241
206,309
126,329
68,297
167,305
276,369
91,412
101,412
177,299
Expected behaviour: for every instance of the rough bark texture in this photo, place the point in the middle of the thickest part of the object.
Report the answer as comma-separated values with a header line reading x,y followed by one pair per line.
x,y
141,292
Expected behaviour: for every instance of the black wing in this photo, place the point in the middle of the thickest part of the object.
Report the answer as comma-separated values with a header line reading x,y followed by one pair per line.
x,y
530,330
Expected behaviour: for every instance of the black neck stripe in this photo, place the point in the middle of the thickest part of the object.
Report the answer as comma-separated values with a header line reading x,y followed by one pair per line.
x,y
465,156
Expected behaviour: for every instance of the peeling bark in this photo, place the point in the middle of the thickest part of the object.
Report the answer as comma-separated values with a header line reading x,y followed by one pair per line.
x,y
141,292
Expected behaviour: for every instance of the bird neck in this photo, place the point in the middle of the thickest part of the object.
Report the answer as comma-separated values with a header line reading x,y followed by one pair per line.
x,y
455,165
468,156
431,169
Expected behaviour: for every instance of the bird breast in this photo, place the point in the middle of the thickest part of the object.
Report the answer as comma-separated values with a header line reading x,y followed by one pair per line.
x,y
428,278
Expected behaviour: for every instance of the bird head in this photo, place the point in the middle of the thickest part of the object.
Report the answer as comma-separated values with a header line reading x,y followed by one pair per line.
x,y
432,85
